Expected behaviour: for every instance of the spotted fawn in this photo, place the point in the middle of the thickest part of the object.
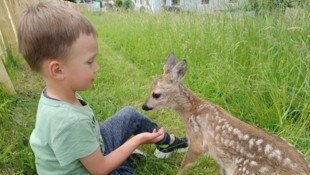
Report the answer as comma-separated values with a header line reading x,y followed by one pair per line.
x,y
237,147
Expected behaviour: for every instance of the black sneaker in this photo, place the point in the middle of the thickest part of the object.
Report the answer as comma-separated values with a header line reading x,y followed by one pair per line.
x,y
137,158
164,151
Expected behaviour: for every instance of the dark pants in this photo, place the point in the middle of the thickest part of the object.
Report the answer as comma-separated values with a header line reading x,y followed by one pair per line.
x,y
119,128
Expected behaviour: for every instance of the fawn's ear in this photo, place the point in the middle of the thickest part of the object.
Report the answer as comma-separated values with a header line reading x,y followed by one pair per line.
x,y
171,61
178,71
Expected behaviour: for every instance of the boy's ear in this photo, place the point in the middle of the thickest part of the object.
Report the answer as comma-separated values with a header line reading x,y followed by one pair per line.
x,y
55,70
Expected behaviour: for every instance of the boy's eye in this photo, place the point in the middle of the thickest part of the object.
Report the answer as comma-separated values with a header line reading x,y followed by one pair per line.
x,y
90,62
156,95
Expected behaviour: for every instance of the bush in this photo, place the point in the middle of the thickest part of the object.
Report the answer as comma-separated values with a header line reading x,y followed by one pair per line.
x,y
275,5
118,3
127,4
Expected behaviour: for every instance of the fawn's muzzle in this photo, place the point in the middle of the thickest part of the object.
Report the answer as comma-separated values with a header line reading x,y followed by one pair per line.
x,y
146,108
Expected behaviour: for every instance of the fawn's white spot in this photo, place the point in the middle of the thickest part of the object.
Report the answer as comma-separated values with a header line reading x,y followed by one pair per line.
x,y
238,160
238,133
217,118
246,137
238,147
226,142
224,133
231,143
253,163
250,155
259,141
263,170
211,107
194,124
225,126
276,154
287,161
241,150
216,112
221,120
268,148
251,143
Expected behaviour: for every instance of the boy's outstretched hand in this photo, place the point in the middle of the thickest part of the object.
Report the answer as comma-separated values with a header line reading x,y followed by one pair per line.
x,y
153,137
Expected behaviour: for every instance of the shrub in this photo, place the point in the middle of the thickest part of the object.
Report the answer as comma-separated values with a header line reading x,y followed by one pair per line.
x,y
118,3
127,4
275,5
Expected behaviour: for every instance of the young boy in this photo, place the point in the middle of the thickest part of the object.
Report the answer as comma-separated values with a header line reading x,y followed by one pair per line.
x,y
61,45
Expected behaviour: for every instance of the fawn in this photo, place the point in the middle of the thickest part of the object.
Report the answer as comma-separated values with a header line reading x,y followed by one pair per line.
x,y
237,147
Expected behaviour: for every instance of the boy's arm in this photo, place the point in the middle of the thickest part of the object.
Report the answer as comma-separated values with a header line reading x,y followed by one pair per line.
x,y
96,163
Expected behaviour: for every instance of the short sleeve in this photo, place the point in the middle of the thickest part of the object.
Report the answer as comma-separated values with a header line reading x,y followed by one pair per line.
x,y
75,141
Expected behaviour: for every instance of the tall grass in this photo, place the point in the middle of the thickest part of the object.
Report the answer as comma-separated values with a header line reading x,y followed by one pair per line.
x,y
256,67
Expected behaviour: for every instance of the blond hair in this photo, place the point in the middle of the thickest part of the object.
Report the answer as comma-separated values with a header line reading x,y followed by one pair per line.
x,y
47,30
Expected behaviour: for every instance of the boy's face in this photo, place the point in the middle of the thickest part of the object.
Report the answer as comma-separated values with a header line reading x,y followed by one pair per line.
x,y
80,66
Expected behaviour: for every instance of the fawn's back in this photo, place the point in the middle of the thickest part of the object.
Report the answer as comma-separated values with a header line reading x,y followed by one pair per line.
x,y
237,147
242,148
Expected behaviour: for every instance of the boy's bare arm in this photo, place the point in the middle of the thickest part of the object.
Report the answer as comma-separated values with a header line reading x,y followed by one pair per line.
x,y
96,163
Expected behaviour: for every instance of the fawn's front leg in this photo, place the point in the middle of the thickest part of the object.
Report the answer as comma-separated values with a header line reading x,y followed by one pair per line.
x,y
195,149
222,170
190,157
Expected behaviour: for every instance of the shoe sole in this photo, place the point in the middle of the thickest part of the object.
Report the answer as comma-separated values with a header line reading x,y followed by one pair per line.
x,y
162,155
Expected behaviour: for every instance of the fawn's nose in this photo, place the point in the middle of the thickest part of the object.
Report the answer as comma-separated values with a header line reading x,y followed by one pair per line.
x,y
146,108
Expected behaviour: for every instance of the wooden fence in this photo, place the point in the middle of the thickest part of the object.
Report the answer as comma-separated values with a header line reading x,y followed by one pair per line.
x,y
9,13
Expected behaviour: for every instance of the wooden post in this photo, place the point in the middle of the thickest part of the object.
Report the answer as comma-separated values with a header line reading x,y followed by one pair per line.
x,y
2,48
11,21
5,79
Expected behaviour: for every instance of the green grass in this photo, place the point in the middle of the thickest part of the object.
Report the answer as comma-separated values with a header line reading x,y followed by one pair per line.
x,y
256,67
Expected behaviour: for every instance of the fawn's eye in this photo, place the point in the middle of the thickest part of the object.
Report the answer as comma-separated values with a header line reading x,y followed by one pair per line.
x,y
156,95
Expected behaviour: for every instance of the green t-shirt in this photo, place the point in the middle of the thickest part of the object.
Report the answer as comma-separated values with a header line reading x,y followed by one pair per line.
x,y
63,134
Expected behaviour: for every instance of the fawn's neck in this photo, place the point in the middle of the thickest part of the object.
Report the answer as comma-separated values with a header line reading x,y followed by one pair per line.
x,y
186,102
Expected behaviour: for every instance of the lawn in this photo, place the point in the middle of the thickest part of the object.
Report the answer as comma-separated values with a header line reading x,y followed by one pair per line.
x,y
255,67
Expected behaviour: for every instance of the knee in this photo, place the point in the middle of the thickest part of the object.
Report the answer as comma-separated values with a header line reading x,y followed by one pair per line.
x,y
131,112
129,109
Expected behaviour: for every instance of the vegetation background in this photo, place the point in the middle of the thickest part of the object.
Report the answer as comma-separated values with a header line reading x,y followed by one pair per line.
x,y
256,66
